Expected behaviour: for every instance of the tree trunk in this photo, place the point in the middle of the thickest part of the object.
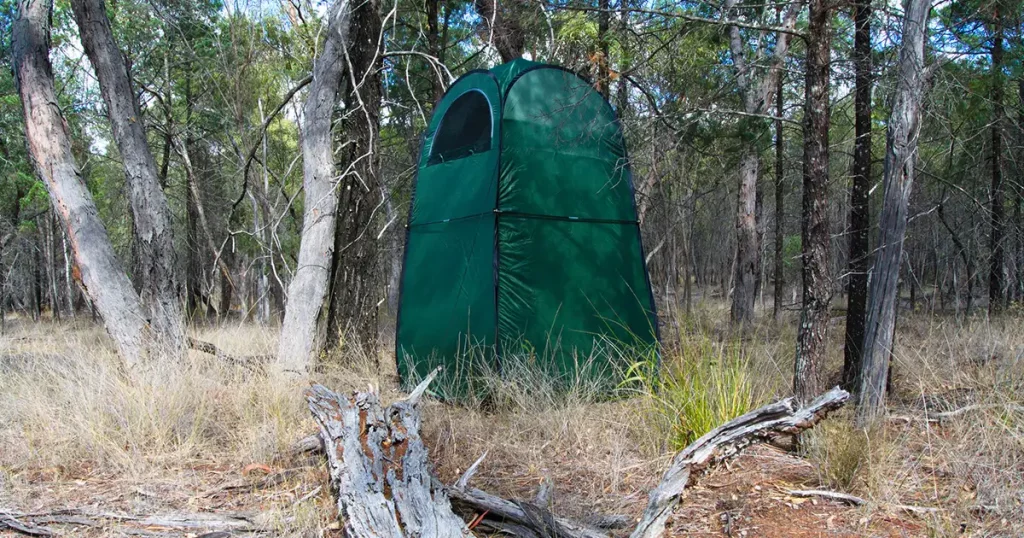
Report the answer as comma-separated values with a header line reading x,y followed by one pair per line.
x,y
860,220
817,287
780,203
504,31
603,25
898,174
154,234
747,250
50,147
356,282
302,333
997,278
757,96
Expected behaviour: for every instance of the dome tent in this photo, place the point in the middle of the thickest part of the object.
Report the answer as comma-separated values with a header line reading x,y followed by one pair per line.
x,y
523,236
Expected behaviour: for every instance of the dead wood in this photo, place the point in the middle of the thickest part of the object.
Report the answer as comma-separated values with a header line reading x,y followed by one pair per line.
x,y
380,474
378,466
725,442
31,523
8,522
252,362
829,495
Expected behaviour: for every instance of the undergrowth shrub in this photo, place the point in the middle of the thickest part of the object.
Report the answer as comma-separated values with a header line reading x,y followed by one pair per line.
x,y
695,388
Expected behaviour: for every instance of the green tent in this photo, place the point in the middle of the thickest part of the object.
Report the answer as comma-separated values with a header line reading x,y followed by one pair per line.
x,y
523,239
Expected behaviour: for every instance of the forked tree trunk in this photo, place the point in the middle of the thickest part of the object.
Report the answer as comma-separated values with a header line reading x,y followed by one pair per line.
x,y
757,93
303,331
857,290
817,286
898,174
49,144
154,234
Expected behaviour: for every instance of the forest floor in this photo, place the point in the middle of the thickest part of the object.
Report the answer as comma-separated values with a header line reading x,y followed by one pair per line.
x,y
176,439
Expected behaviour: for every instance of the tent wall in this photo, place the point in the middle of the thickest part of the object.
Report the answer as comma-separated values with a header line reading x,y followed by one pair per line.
x,y
570,263
447,288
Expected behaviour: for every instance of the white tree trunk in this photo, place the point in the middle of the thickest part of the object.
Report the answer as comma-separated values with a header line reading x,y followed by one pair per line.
x,y
49,144
154,233
302,334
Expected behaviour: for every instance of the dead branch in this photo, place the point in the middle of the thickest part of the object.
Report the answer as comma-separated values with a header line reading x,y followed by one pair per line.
x,y
830,495
379,470
31,523
725,442
252,362
8,522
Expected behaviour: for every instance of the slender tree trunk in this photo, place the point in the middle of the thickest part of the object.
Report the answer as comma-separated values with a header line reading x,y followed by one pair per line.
x,y
757,96
780,202
154,234
303,331
860,220
817,287
997,277
900,156
356,284
50,147
603,25
51,267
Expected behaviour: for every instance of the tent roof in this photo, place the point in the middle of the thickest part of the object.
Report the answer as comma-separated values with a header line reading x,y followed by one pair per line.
x,y
507,72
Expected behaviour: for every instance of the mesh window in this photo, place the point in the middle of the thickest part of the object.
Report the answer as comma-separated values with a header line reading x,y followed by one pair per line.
x,y
464,130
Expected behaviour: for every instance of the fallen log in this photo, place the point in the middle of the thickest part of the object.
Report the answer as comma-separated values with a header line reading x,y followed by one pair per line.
x,y
380,475
378,466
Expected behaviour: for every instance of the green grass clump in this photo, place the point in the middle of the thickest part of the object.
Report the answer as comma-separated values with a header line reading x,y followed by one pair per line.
x,y
698,387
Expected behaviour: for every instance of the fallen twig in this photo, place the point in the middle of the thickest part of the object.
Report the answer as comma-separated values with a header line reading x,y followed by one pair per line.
x,y
830,495
252,362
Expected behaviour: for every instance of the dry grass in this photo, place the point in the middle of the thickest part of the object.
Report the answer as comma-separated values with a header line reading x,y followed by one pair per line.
x,y
69,415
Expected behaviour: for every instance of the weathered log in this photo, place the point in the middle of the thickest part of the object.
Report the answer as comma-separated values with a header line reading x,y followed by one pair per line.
x,y
378,466
30,523
725,442
252,362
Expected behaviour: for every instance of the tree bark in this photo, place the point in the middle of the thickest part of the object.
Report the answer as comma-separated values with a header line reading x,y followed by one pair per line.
x,y
898,177
757,95
302,334
817,287
49,145
154,234
505,32
857,288
997,276
780,203
356,284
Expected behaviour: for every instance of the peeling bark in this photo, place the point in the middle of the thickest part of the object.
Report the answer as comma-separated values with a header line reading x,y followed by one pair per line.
x,y
154,234
898,174
49,144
